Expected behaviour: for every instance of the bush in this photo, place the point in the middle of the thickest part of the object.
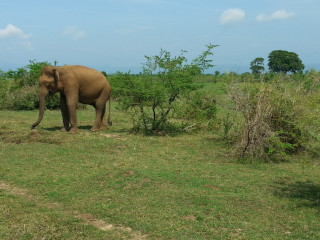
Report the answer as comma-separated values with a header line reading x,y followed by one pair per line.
x,y
152,96
29,76
136,95
19,89
5,88
312,81
52,102
24,98
270,126
199,109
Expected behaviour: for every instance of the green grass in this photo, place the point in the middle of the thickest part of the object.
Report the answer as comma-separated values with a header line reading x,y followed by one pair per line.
x,y
169,187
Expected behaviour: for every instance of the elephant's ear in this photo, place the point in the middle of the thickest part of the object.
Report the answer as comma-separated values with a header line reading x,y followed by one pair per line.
x,y
56,75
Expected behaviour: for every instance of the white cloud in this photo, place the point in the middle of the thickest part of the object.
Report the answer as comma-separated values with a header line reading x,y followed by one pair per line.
x,y
21,38
232,15
74,33
277,15
13,31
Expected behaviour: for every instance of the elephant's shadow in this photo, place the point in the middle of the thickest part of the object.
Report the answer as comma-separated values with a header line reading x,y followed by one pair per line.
x,y
57,128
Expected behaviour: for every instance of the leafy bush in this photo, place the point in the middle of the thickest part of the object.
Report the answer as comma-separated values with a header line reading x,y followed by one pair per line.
x,y
199,108
150,97
24,98
136,95
52,102
19,89
29,76
5,88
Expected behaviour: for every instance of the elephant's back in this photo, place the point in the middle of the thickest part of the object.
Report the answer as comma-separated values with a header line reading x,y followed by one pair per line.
x,y
87,75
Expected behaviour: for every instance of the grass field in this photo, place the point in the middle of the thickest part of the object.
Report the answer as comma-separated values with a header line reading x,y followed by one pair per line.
x,y
115,185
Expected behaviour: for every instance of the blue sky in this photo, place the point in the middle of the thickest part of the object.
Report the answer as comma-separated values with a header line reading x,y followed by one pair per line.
x,y
115,35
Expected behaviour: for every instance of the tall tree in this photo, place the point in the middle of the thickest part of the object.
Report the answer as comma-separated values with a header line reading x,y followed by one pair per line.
x,y
257,65
284,61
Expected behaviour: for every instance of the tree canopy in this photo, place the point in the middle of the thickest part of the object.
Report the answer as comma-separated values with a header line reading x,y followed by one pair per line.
x,y
284,61
257,65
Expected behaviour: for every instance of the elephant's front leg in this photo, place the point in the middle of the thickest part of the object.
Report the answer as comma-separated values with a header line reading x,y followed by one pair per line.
x,y
64,112
72,103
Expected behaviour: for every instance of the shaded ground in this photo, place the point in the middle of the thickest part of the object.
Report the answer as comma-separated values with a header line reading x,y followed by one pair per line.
x,y
307,192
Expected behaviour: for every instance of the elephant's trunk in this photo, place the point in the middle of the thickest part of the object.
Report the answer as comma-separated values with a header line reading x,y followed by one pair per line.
x,y
42,103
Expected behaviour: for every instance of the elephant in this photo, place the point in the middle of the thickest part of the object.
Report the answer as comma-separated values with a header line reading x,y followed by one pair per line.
x,y
76,84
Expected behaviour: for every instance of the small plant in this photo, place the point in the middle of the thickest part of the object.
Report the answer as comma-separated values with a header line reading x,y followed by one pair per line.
x,y
227,124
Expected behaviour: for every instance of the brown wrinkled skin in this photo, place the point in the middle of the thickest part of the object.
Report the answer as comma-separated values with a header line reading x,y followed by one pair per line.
x,y
75,84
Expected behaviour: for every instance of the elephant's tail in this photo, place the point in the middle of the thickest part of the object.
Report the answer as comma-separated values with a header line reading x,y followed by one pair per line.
x,y
109,114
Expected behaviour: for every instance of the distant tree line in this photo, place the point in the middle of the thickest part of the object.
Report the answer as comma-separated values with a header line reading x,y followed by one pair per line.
x,y
279,61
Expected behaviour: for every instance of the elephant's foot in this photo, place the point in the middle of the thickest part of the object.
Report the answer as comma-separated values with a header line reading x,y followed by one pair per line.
x,y
63,129
94,129
103,127
73,130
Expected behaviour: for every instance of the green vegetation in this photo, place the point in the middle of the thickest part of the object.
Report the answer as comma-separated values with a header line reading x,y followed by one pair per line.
x,y
257,65
223,156
284,61
186,186
151,97
19,89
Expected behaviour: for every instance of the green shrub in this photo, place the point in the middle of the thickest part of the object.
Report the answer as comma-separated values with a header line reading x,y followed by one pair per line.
x,y
270,126
137,95
19,89
52,102
199,109
27,98
29,76
151,97
5,88
311,81
24,98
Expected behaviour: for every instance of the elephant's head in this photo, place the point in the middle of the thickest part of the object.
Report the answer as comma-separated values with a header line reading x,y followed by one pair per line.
x,y
49,83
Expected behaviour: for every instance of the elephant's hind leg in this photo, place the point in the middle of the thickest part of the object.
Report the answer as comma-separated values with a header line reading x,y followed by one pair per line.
x,y
98,124
100,121
100,106
103,124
